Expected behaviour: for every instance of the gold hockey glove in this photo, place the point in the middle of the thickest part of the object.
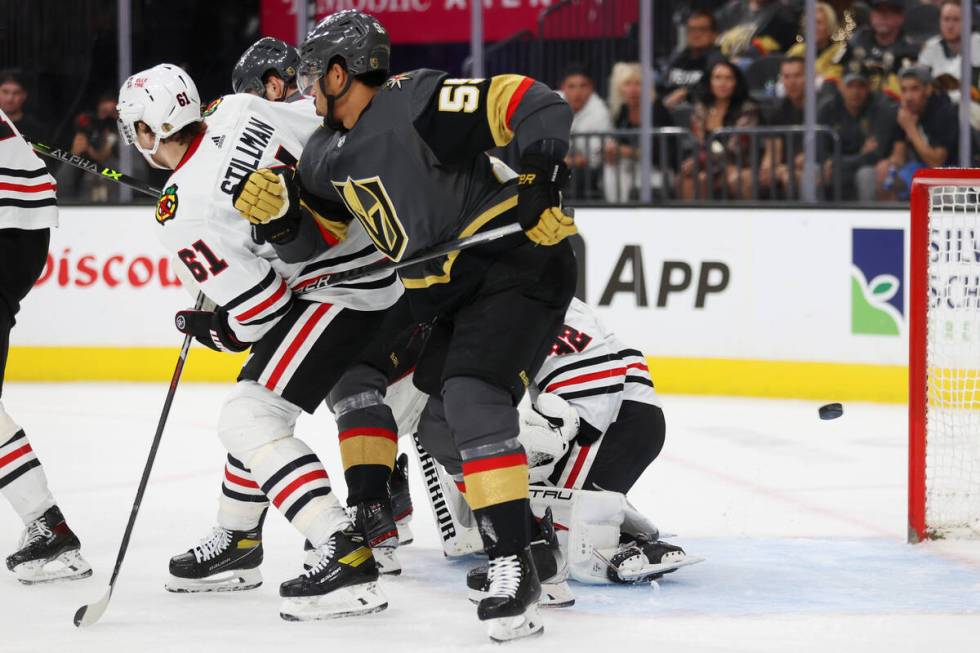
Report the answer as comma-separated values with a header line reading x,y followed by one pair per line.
x,y
266,195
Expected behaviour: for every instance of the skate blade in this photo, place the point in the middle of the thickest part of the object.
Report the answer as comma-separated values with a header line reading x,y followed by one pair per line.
x,y
405,534
553,595
69,565
350,601
237,580
387,561
507,629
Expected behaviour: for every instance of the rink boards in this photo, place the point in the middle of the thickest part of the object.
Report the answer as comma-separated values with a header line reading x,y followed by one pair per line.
x,y
755,302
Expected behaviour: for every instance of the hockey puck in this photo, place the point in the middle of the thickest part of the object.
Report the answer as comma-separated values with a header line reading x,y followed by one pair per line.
x,y
831,411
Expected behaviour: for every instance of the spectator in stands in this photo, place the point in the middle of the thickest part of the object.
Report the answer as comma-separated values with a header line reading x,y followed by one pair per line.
x,y
725,103
865,122
688,66
829,51
621,172
13,97
941,54
590,115
754,28
883,46
783,156
96,138
926,135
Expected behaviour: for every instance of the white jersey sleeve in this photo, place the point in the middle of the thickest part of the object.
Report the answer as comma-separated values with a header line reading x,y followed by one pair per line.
x,y
28,193
590,369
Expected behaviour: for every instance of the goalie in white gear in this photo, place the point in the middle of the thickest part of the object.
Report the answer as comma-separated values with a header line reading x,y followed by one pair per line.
x,y
301,332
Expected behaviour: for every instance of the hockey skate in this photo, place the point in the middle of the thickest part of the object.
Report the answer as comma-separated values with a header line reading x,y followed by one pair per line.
x,y
401,500
224,561
510,607
550,563
643,560
373,520
49,551
342,582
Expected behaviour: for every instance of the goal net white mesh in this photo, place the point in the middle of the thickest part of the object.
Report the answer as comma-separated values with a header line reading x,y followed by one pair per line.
x,y
953,364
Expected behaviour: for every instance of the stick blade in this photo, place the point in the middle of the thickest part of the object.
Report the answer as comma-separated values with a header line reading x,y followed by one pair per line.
x,y
89,614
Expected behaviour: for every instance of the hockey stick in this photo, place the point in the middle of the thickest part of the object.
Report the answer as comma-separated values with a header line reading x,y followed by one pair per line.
x,y
435,252
89,614
91,166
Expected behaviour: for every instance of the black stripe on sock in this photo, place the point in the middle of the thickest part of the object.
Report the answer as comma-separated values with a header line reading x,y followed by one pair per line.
x,y
238,496
20,471
236,463
28,204
286,470
305,499
23,174
17,436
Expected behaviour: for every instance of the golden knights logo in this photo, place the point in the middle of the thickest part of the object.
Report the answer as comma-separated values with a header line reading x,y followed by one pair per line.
x,y
368,200
167,204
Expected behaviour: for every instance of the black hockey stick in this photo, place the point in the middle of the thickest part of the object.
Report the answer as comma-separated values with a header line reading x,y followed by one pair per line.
x,y
89,614
91,166
435,252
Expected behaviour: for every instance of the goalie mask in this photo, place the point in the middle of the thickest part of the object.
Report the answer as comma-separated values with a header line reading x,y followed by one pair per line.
x,y
164,98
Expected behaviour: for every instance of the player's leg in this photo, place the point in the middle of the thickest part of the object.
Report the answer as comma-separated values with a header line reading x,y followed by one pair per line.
x,y
48,549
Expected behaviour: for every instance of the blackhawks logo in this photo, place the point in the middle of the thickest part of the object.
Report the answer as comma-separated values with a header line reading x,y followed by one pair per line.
x,y
167,204
211,108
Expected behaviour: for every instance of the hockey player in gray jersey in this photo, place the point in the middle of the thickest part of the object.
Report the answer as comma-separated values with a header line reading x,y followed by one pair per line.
x,y
268,69
407,158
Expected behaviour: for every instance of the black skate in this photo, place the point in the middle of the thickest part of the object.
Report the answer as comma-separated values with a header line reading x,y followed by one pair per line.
x,y
401,500
224,561
511,604
49,551
342,582
374,521
550,563
643,561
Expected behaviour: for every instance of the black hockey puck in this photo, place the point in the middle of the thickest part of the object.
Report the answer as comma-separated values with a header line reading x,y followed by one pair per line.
x,y
831,411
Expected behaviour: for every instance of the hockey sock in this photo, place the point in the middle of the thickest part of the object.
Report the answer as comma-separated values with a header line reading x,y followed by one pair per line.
x,y
497,491
294,479
242,501
368,447
22,479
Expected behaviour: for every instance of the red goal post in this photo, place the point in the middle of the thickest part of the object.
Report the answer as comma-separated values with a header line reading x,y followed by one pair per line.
x,y
944,355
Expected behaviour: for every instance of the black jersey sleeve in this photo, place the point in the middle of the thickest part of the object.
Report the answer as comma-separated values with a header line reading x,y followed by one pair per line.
x,y
461,118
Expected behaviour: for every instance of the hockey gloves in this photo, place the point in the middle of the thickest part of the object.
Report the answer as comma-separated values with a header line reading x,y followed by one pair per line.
x,y
210,328
270,199
543,175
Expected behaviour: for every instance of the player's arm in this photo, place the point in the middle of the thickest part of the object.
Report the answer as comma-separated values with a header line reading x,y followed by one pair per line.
x,y
463,118
250,296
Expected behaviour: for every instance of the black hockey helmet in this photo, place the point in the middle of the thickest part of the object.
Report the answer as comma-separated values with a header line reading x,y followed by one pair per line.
x,y
353,36
265,55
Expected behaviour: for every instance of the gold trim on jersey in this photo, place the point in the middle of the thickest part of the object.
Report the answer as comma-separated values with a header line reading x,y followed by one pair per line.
x,y
368,200
502,89
471,228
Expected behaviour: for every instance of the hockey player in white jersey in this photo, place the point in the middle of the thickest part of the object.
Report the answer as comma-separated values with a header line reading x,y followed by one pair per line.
x,y
49,550
301,332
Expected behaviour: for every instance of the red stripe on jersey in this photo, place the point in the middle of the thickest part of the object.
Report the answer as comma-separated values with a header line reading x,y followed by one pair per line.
x,y
258,308
191,149
302,480
583,453
638,366
238,480
21,188
516,98
15,454
294,346
370,432
497,462
585,378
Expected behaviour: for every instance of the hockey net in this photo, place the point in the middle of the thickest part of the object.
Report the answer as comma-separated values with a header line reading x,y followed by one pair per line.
x,y
944,356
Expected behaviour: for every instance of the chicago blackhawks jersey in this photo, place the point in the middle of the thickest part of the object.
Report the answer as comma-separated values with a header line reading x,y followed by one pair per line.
x,y
412,170
27,191
202,229
591,369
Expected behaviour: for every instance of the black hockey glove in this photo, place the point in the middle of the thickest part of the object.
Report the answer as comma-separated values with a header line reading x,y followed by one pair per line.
x,y
210,328
542,177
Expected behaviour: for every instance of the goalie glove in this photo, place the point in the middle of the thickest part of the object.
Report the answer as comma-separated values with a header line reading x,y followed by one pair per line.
x,y
210,328
543,176
547,430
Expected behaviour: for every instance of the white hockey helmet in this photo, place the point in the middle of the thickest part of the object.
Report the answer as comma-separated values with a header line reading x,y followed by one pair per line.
x,y
165,98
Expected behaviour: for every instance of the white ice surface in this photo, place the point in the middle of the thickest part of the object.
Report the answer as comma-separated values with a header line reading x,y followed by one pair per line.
x,y
802,522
